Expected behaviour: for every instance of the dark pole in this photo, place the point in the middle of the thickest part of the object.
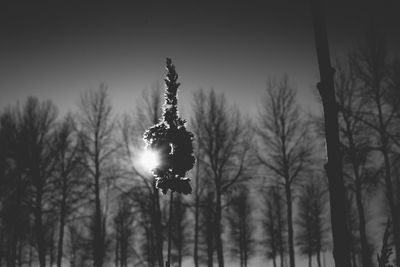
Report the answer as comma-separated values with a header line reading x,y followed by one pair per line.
x,y
168,263
333,167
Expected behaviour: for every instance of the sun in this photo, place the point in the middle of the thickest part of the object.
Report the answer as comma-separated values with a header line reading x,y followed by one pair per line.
x,y
149,159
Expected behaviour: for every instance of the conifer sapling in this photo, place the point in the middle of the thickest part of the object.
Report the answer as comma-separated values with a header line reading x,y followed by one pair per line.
x,y
171,141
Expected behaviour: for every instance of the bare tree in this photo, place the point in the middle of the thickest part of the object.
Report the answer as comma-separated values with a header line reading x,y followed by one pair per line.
x,y
51,224
241,225
78,245
199,186
274,224
37,125
353,227
386,251
146,197
312,217
180,229
197,198
206,229
67,182
393,100
285,142
98,148
124,231
204,194
225,144
14,187
371,63
356,144
145,209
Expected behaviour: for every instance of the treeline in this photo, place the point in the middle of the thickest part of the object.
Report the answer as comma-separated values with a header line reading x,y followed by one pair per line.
x,y
73,191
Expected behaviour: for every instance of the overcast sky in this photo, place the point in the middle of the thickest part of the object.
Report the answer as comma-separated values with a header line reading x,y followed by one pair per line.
x,y
58,50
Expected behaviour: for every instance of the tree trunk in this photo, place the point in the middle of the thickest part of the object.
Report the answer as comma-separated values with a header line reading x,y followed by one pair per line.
x,y
158,227
39,229
245,244
30,256
2,246
209,235
52,247
15,232
61,231
180,257
124,244
309,260
117,239
280,229
210,250
97,228
392,205
149,237
353,257
12,255
196,232
20,246
274,261
319,259
388,182
290,224
209,227
218,232
170,222
241,244
179,228
340,234
196,218
365,255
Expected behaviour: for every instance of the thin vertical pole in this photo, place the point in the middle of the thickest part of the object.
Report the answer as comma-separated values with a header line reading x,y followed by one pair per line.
x,y
168,263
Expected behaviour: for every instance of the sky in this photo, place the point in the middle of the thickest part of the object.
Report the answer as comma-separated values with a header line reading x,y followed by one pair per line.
x,y
57,49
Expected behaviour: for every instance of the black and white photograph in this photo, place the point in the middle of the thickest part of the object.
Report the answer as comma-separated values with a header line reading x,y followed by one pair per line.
x,y
179,133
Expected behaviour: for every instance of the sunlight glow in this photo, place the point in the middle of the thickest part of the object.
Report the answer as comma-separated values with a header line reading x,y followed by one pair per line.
x,y
149,159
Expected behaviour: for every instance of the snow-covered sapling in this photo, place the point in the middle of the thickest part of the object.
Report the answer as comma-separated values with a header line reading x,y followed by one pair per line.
x,y
171,141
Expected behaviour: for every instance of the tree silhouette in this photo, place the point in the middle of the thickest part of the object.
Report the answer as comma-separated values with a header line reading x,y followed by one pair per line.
x,y
15,226
274,224
198,195
144,193
225,149
170,139
371,62
173,144
67,183
180,229
37,122
386,251
72,191
312,236
356,145
353,227
124,231
241,225
286,147
97,147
